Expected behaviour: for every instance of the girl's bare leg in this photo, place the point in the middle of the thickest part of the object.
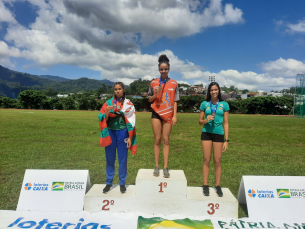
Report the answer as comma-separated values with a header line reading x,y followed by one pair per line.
x,y
207,151
166,127
217,153
157,129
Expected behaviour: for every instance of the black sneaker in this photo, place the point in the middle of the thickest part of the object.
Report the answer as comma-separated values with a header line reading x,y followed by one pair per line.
x,y
122,188
107,188
156,171
166,173
218,191
206,190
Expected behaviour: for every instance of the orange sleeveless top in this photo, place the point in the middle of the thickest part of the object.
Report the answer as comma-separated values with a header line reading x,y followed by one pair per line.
x,y
163,105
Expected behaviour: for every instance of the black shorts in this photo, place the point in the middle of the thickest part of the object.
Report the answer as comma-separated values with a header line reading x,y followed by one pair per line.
x,y
212,137
155,115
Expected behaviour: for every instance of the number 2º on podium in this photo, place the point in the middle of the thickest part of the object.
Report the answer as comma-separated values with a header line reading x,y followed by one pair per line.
x,y
162,184
106,203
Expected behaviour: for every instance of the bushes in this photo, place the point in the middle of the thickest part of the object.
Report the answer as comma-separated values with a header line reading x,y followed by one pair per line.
x,y
262,105
255,105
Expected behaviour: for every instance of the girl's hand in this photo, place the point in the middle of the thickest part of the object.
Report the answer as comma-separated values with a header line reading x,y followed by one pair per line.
x,y
225,146
174,121
109,108
157,90
210,117
128,143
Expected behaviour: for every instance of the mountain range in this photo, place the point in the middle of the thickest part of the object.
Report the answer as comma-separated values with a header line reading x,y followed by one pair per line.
x,y
13,82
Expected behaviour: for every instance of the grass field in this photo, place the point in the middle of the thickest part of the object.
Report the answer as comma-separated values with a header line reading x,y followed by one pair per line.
x,y
34,139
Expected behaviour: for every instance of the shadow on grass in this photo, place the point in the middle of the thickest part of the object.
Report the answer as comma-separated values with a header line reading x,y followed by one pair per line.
x,y
245,209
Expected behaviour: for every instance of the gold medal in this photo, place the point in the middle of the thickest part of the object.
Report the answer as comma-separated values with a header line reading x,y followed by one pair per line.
x,y
160,88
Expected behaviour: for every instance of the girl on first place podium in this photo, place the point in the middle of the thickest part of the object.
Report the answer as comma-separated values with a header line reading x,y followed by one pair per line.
x,y
163,93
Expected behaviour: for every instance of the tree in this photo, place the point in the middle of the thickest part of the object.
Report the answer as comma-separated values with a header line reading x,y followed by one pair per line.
x,y
6,102
233,88
103,89
245,91
32,98
137,86
68,103
183,85
50,92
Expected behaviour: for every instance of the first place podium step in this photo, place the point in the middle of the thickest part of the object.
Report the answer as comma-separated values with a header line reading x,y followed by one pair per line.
x,y
159,195
150,186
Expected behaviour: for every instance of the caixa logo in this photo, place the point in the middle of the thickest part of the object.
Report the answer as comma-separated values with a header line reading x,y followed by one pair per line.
x,y
251,193
28,186
36,186
44,224
260,193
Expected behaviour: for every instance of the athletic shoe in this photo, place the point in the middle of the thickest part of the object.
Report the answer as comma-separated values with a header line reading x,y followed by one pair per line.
x,y
156,171
166,173
107,188
122,188
218,191
206,190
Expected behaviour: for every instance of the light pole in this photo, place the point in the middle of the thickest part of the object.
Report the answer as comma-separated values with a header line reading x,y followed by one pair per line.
x,y
212,79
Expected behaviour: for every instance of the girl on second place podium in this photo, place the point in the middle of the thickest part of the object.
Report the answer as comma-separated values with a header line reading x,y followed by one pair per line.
x,y
117,123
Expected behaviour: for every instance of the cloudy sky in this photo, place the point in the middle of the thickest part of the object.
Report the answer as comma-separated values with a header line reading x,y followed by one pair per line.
x,y
253,44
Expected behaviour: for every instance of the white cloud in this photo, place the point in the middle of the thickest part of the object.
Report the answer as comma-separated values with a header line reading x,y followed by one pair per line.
x,y
278,74
5,14
290,27
6,51
297,28
6,62
106,36
182,82
153,19
284,68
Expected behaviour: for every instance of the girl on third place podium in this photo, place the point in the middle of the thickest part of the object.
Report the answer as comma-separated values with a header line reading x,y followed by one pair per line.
x,y
214,116
163,93
117,123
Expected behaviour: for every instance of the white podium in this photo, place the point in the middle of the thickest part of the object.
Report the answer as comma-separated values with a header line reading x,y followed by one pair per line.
x,y
159,195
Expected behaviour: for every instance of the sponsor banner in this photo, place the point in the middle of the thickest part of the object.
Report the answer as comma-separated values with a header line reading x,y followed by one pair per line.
x,y
66,220
160,223
106,220
246,223
274,197
53,190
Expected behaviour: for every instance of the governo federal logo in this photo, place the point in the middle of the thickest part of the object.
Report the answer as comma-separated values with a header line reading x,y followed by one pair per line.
x,y
28,186
251,193
283,193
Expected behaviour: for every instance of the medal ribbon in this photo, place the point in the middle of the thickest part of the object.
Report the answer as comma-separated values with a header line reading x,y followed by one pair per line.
x,y
160,84
115,101
214,109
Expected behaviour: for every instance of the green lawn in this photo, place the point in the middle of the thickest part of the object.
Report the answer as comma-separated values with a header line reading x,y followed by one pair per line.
x,y
32,139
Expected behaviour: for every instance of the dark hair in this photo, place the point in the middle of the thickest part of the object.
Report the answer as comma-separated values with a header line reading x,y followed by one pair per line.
x,y
163,59
122,85
209,91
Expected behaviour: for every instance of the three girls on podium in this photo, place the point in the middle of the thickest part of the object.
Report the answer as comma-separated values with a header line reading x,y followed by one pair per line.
x,y
117,123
